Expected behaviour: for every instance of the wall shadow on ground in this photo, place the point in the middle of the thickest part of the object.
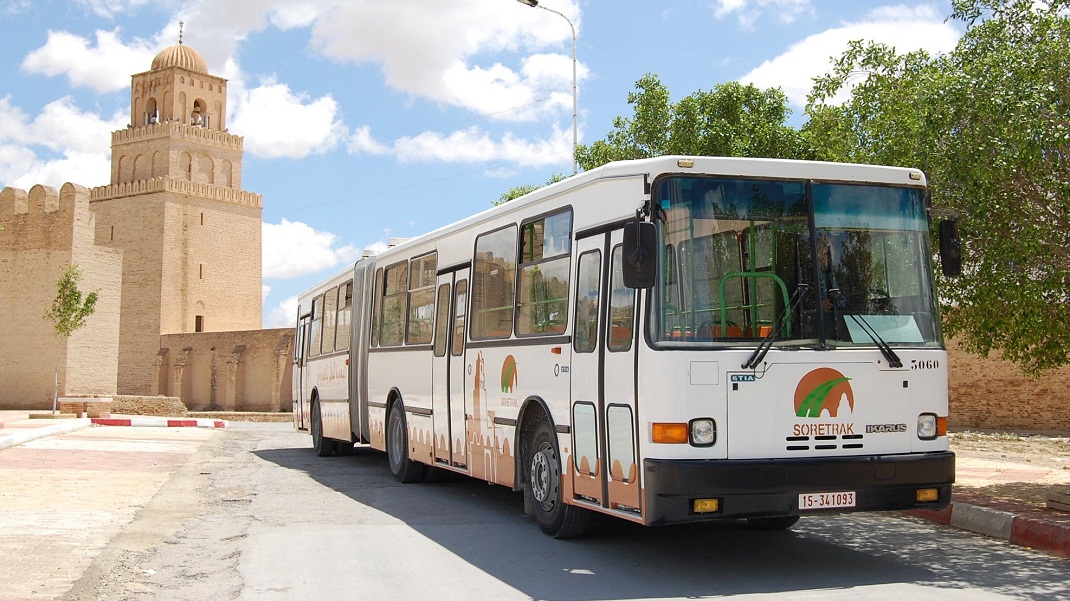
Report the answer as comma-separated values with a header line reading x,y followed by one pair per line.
x,y
485,525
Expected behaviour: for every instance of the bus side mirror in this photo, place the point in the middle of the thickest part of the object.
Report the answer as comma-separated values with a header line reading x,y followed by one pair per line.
x,y
640,265
950,248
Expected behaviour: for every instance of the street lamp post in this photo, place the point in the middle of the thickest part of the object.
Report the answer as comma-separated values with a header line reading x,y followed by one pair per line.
x,y
575,102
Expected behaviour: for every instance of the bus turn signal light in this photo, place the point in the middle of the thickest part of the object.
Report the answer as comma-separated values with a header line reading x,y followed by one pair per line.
x,y
706,505
669,433
941,426
927,495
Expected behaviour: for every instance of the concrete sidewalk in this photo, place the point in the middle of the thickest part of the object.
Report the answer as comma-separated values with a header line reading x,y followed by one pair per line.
x,y
17,427
67,488
1003,497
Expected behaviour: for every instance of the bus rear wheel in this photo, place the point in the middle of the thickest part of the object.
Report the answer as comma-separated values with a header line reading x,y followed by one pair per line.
x,y
544,486
324,447
778,523
403,468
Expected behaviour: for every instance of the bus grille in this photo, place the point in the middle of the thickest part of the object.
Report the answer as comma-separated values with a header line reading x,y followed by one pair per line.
x,y
824,443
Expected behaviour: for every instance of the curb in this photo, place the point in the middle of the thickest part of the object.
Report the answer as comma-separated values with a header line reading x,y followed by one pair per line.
x,y
17,438
160,422
1039,534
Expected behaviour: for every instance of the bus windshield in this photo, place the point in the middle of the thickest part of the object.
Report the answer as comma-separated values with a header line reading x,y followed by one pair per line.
x,y
740,255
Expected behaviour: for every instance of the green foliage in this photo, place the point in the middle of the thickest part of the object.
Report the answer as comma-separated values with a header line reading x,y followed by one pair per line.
x,y
69,308
731,120
518,191
990,123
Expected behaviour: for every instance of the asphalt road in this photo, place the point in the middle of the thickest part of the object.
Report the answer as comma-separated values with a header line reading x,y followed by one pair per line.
x,y
255,515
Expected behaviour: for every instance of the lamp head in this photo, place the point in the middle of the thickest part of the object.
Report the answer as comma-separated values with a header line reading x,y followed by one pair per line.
x,y
531,3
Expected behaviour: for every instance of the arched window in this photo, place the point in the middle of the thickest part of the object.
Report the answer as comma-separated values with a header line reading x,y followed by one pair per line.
x,y
141,167
199,117
185,166
152,113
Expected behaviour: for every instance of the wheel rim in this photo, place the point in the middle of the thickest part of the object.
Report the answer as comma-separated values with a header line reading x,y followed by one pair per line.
x,y
544,478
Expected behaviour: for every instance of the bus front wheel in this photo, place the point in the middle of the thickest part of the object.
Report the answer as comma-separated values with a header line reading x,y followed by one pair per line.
x,y
553,516
402,467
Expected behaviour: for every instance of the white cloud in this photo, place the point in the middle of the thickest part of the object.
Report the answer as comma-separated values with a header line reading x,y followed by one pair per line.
x,y
292,249
362,141
290,16
906,28
282,315
105,67
426,49
74,145
473,145
109,8
277,122
747,12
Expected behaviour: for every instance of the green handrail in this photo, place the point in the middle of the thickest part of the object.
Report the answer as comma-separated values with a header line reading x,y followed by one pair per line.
x,y
754,305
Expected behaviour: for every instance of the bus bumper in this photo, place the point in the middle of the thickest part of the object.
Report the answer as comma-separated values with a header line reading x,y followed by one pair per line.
x,y
767,488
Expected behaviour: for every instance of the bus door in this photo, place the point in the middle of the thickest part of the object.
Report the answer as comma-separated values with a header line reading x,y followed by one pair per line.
x,y
304,324
451,437
605,465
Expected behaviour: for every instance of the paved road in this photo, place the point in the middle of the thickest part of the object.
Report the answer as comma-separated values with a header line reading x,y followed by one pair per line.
x,y
250,513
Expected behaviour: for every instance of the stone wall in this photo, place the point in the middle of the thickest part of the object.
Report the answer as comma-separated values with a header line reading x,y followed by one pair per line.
x,y
44,231
246,370
994,394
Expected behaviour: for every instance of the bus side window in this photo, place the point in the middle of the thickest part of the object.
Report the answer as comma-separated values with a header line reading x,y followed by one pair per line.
x,y
345,309
317,325
460,302
377,306
588,278
330,307
442,324
542,303
621,306
493,284
421,299
396,290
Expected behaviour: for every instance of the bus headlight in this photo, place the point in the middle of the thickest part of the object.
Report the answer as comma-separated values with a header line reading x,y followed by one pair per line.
x,y
703,432
927,426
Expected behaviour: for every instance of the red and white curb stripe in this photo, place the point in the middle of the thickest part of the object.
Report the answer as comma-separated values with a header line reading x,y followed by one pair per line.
x,y
159,422
1043,535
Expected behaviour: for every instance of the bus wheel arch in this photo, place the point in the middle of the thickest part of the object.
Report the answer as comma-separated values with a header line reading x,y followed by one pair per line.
x,y
531,413
402,466
545,487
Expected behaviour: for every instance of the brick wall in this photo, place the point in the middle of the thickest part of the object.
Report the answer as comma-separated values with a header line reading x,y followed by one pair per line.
x,y
994,394
227,371
44,230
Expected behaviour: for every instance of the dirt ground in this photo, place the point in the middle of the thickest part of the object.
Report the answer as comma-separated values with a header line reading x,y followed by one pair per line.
x,y
1011,468
1036,449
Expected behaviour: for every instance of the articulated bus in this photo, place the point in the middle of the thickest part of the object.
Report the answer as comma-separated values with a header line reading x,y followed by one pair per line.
x,y
664,340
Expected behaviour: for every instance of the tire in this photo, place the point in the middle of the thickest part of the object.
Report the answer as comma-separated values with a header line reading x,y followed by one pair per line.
x,y
543,490
324,447
405,470
778,523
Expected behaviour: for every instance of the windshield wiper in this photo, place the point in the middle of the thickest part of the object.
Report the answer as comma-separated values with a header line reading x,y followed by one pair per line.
x,y
767,342
889,354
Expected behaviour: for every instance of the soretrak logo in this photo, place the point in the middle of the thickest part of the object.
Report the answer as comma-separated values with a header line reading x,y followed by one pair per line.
x,y
823,391
509,378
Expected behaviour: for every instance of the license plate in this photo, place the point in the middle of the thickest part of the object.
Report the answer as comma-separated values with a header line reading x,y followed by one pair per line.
x,y
826,500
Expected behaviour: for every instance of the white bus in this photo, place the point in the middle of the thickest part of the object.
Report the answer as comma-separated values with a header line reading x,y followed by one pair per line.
x,y
664,340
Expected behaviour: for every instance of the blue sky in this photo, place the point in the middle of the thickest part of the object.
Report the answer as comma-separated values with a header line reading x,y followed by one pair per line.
x,y
371,119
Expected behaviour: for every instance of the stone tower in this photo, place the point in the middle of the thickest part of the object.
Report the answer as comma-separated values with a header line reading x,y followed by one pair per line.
x,y
190,235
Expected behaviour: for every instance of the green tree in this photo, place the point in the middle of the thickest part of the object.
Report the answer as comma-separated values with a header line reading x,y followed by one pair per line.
x,y
518,191
68,314
990,123
731,120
